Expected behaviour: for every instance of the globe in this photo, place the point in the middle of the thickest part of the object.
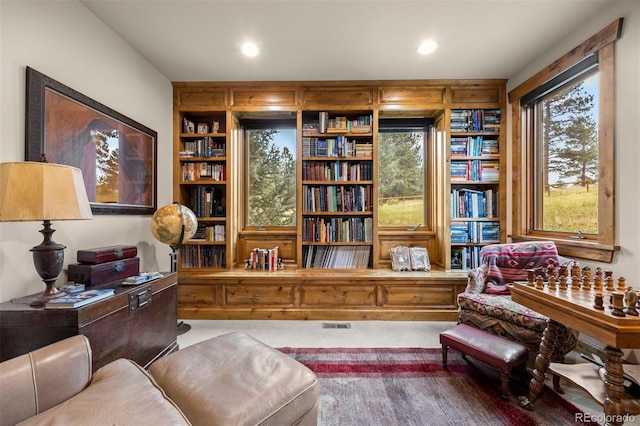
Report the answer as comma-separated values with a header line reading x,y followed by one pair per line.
x,y
166,224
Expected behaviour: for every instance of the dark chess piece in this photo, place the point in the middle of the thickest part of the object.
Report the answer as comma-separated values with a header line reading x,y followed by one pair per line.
x,y
598,301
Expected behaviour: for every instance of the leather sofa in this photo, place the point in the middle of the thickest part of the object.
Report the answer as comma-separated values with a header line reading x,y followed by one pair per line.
x,y
229,379
486,302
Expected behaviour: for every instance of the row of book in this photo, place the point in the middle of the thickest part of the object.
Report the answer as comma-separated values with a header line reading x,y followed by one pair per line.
x,y
473,146
263,259
340,146
475,120
339,124
201,256
337,170
337,257
475,232
475,170
337,198
205,147
207,232
337,229
473,203
207,201
192,172
465,257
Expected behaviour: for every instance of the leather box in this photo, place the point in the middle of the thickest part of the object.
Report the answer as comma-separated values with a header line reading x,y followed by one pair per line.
x,y
106,254
91,274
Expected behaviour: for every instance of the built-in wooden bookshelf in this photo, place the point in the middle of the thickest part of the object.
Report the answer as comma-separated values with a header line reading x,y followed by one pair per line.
x,y
202,186
475,184
336,207
337,217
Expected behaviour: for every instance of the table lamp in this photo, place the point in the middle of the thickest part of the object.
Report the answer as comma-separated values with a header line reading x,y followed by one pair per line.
x,y
33,191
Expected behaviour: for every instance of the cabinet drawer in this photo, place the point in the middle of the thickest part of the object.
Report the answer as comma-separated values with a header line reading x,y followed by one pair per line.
x,y
338,296
196,294
258,295
410,295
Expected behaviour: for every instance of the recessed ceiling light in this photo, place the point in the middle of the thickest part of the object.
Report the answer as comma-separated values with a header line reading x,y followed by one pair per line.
x,y
249,49
427,47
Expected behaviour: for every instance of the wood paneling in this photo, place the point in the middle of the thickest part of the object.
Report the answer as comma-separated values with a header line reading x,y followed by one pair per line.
x,y
209,97
263,97
410,95
337,96
475,95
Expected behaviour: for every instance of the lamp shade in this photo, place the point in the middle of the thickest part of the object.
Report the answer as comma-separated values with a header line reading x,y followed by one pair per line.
x,y
32,191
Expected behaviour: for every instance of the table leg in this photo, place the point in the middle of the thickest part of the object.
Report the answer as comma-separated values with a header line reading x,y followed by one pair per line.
x,y
536,384
613,385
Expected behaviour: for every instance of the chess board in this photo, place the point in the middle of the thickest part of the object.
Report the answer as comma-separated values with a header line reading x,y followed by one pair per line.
x,y
575,309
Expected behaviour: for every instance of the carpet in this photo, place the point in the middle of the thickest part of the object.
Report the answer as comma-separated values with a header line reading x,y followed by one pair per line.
x,y
408,386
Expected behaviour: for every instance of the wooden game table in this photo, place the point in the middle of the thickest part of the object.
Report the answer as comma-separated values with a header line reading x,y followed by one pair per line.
x,y
575,309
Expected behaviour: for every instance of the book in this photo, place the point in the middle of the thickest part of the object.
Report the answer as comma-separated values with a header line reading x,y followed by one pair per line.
x,y
77,300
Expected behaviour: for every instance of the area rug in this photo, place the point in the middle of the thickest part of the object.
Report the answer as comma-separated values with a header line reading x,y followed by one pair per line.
x,y
409,386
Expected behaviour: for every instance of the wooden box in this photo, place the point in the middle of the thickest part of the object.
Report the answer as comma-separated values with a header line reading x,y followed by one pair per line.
x,y
106,254
90,274
131,324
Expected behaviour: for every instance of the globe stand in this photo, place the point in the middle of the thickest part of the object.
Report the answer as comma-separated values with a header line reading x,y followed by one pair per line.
x,y
182,326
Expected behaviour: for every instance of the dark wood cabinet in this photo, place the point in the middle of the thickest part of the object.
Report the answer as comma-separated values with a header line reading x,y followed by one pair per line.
x,y
139,323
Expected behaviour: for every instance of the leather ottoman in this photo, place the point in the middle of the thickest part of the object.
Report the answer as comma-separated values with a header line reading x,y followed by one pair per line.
x,y
234,379
490,349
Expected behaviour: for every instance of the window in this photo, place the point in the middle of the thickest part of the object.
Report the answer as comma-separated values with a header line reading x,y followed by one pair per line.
x,y
563,139
401,172
271,167
565,153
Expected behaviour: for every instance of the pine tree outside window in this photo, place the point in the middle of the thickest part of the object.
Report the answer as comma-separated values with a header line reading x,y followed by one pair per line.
x,y
271,166
401,172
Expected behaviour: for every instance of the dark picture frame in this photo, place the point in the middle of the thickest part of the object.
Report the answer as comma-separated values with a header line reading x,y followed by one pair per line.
x,y
117,155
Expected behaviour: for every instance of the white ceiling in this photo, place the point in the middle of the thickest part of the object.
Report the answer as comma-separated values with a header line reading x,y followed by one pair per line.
x,y
199,40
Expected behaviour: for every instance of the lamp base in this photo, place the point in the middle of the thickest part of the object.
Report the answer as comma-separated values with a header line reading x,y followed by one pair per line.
x,y
48,258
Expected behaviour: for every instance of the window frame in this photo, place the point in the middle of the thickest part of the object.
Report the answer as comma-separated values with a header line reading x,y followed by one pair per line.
x,y
600,247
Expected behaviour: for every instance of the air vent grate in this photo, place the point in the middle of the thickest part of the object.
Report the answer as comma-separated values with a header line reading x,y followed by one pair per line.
x,y
335,325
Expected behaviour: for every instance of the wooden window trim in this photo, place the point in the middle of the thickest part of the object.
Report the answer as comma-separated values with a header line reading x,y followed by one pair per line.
x,y
601,247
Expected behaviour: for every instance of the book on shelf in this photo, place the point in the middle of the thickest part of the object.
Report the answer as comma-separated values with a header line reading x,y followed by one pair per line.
x,y
78,300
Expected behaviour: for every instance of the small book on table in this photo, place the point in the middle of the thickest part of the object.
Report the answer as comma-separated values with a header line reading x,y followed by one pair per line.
x,y
77,300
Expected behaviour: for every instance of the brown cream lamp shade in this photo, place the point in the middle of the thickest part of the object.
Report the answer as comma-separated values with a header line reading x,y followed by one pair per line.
x,y
31,191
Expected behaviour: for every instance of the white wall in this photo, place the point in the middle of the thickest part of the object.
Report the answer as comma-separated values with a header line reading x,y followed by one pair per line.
x,y
626,262
66,42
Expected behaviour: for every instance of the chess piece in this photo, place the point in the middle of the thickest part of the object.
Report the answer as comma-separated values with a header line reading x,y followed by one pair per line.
x,y
530,277
586,283
575,282
539,282
630,302
597,282
621,283
575,270
617,304
609,280
599,272
598,301
552,283
563,282
563,271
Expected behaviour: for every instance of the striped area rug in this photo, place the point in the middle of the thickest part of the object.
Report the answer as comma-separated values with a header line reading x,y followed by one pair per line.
x,y
408,386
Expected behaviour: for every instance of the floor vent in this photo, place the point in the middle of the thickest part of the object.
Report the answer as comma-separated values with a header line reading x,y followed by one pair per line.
x,y
335,325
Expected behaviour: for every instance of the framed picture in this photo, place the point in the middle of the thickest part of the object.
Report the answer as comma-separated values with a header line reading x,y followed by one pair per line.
x,y
117,155
203,128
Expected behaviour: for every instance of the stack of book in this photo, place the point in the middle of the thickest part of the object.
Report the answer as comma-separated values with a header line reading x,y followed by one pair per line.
x,y
78,300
